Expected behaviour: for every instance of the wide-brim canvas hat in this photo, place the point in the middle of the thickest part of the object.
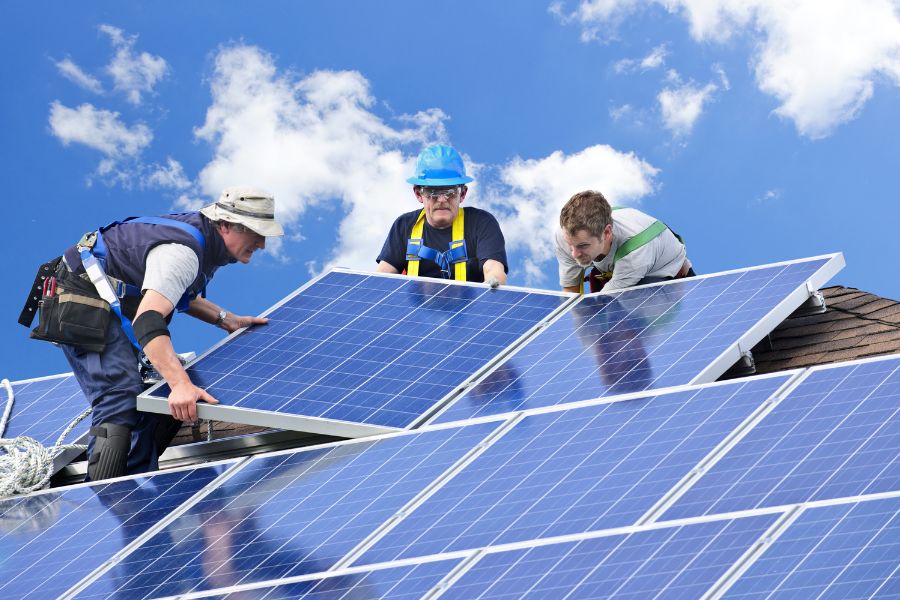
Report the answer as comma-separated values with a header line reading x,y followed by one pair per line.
x,y
251,207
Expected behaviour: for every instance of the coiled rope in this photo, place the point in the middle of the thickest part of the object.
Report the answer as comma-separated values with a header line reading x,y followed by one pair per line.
x,y
25,464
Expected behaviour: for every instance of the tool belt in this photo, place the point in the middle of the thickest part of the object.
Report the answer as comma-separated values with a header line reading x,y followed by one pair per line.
x,y
70,311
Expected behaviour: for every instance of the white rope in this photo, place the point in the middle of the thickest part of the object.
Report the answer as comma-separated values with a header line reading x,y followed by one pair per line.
x,y
25,464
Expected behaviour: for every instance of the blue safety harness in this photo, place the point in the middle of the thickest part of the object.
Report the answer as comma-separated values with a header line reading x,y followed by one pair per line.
x,y
95,256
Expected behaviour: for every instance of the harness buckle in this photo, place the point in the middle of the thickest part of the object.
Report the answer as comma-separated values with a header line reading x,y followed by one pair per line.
x,y
87,241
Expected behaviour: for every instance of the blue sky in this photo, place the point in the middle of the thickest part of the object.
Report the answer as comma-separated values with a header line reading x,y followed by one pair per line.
x,y
760,130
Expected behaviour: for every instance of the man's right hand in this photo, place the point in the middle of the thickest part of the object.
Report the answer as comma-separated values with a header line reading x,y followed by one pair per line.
x,y
183,401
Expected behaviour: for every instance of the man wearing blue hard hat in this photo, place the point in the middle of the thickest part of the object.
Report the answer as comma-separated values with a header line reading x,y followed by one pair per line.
x,y
442,240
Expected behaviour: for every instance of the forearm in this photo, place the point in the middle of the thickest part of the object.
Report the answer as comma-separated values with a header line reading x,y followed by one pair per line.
x,y
203,309
162,356
493,269
572,288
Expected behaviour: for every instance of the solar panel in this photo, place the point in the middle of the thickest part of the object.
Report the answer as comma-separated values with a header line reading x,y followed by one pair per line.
x,y
677,333
43,408
409,582
835,435
287,514
50,540
672,562
843,551
357,354
571,471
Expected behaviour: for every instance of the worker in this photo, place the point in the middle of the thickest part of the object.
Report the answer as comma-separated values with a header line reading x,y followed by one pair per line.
x,y
624,246
440,240
140,269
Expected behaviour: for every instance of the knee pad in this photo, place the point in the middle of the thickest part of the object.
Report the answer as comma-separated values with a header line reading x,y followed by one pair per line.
x,y
110,456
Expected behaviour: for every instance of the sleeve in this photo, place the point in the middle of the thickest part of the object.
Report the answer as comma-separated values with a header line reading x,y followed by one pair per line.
x,y
570,272
169,270
394,250
632,268
490,241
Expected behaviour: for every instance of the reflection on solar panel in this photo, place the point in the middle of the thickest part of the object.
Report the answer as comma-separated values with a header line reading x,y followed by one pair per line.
x,y
844,551
576,470
44,407
287,514
673,562
51,540
835,435
355,354
682,332
396,583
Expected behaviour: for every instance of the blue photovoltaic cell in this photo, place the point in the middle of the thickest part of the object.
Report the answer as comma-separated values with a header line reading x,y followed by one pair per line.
x,y
43,408
676,562
287,515
397,583
845,551
634,340
50,541
574,471
368,349
835,435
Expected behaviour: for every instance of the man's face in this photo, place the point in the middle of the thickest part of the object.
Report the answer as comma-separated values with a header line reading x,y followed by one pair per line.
x,y
441,203
241,242
585,247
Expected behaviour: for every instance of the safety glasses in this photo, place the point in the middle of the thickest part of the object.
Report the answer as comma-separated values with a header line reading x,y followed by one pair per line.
x,y
436,193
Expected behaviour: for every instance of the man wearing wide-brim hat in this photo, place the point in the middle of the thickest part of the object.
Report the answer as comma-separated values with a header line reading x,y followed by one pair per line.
x,y
153,265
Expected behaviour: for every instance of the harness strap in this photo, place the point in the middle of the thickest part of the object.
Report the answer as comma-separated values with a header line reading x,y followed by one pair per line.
x,y
122,289
97,275
456,255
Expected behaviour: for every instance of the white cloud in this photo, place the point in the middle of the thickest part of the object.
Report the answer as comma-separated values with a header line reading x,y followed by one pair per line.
x,y
655,59
819,59
73,72
313,142
133,74
532,192
682,105
98,129
168,176
619,112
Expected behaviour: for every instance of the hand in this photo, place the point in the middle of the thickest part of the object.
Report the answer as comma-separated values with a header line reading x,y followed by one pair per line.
x,y
493,282
183,401
234,322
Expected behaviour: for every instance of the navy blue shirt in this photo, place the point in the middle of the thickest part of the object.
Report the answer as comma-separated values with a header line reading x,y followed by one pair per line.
x,y
484,241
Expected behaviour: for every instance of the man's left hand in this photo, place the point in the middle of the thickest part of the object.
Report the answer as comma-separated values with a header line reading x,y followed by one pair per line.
x,y
232,323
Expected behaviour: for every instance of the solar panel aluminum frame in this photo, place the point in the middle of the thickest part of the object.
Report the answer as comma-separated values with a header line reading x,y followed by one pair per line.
x,y
319,425
64,458
728,357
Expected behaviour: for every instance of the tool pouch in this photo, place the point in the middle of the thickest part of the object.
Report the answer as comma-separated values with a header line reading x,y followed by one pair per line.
x,y
75,315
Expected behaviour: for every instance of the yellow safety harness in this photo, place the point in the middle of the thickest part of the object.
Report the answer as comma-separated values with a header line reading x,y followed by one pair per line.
x,y
456,255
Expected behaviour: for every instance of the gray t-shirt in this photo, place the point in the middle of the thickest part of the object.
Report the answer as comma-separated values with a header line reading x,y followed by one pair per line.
x,y
663,256
170,269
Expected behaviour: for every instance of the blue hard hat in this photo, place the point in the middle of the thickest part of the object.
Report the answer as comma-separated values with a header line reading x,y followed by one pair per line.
x,y
439,165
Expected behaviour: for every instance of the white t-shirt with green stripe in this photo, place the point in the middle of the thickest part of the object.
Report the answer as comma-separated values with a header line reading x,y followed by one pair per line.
x,y
663,256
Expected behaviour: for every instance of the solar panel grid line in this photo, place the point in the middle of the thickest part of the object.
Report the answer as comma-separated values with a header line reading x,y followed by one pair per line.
x,y
431,305
594,348
540,410
427,492
822,541
798,461
42,409
262,418
859,539
311,577
488,369
784,263
771,320
236,465
753,553
722,449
